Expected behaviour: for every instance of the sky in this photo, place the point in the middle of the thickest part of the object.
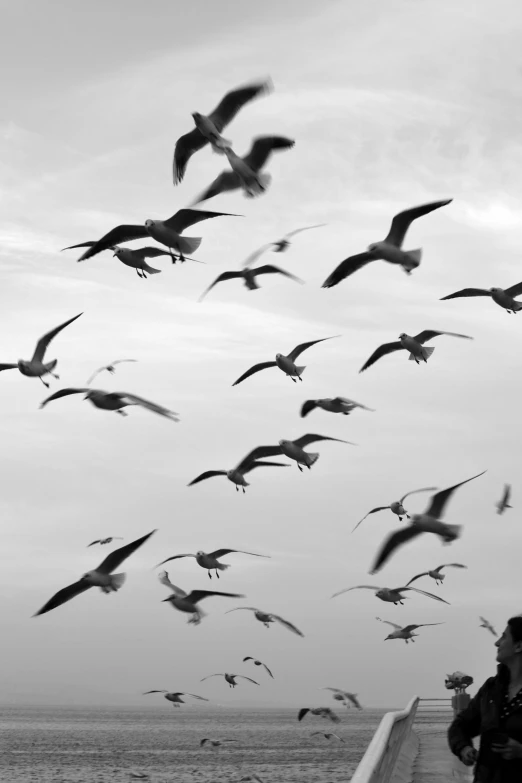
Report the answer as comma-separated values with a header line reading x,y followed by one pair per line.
x,y
391,104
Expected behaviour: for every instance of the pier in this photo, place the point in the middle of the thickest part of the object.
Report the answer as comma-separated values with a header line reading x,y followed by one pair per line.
x,y
410,746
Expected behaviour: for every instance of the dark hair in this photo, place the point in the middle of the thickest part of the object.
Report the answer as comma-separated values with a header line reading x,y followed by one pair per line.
x,y
515,626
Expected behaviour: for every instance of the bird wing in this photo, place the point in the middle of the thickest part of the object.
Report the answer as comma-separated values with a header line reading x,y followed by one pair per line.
x,y
305,228
198,595
219,279
208,474
174,557
262,148
234,100
252,370
507,494
514,290
133,399
164,579
268,269
373,511
116,558
64,595
123,233
382,350
395,540
467,292
414,491
185,147
251,608
149,252
298,350
62,393
97,372
308,406
418,576
262,463
222,552
348,267
146,692
258,452
227,180
8,367
44,341
306,440
394,625
439,500
247,657
429,334
194,696
184,218
98,540
246,678
219,674
402,221
268,670
451,565
313,733
357,587
352,402
423,592
287,625
302,712
252,258
409,628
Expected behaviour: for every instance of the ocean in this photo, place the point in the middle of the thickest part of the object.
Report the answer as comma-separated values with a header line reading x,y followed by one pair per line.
x,y
86,745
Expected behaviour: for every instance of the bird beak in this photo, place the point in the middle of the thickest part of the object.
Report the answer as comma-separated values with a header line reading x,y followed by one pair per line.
x,y
165,599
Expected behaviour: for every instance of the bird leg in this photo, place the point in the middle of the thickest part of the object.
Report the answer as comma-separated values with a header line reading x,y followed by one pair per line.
x,y
300,378
217,573
181,257
42,380
122,413
300,468
294,380
243,490
237,488
209,575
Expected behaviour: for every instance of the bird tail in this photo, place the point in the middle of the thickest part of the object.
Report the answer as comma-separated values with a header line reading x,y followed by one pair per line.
x,y
426,353
508,506
219,145
117,581
189,244
415,257
300,370
51,365
518,305
313,456
150,269
222,566
260,186
451,532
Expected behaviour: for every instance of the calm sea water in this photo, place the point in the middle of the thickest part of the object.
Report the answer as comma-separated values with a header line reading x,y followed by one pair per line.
x,y
65,745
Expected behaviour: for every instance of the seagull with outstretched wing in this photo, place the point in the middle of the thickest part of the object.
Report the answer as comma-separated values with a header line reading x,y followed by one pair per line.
x,y
248,276
215,743
237,475
209,127
245,173
166,232
295,449
503,503
327,735
332,405
110,368
36,367
395,507
390,249
112,401
503,297
210,560
104,540
267,617
393,595
286,363
188,602
258,663
101,577
487,625
174,696
436,574
428,522
230,678
405,632
414,346
346,697
322,712
282,245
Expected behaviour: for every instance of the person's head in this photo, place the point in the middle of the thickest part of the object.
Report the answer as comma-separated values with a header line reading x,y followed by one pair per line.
x,y
509,645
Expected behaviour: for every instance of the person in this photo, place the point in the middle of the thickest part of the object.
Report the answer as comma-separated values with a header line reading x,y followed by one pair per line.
x,y
495,713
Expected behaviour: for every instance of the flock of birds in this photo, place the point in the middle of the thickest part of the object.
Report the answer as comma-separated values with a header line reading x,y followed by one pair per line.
x,y
247,174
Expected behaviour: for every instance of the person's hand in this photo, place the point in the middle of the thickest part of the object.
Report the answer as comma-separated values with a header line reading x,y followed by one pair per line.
x,y
468,755
511,750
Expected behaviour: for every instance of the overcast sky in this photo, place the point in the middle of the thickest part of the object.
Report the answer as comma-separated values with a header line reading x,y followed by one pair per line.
x,y
391,104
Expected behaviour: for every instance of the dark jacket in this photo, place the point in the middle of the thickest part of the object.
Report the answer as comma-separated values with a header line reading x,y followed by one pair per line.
x,y
482,717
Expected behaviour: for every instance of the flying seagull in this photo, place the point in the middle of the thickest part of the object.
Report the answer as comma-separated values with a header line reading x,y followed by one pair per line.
x,y
110,368
210,560
332,405
209,127
404,632
267,618
285,363
230,678
282,245
35,367
327,735
237,474
345,697
504,297
428,522
248,276
246,172
112,401
414,345
390,249
436,572
503,503
166,232
215,743
294,449
188,602
396,507
392,595
487,625
136,259
174,696
104,540
323,712
258,663
101,577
